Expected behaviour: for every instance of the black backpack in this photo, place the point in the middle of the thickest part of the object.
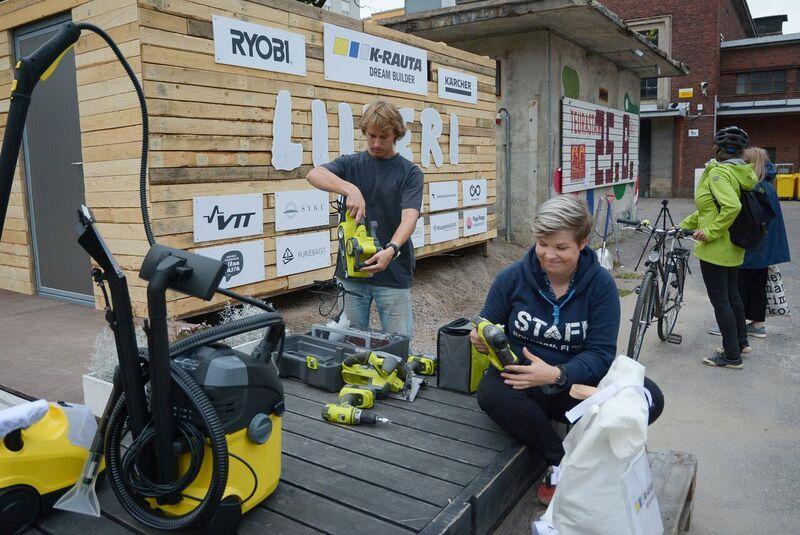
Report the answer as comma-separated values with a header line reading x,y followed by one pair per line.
x,y
750,226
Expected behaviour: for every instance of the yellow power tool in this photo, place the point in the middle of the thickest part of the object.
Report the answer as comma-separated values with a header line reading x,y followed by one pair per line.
x,y
361,396
422,364
378,370
495,338
347,414
357,245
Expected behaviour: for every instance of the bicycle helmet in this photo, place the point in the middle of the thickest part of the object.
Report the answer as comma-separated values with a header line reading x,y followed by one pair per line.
x,y
731,139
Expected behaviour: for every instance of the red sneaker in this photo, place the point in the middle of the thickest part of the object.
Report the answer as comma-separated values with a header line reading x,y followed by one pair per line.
x,y
545,492
548,486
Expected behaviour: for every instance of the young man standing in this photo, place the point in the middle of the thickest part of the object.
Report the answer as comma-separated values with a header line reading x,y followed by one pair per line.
x,y
384,187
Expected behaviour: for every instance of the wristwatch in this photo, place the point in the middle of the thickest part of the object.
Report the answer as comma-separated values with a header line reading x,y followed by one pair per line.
x,y
396,249
562,376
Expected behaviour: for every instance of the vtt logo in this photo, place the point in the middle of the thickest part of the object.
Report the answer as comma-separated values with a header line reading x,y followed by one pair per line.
x,y
247,44
475,190
238,220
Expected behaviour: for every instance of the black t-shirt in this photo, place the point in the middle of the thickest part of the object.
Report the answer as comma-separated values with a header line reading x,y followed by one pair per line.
x,y
389,186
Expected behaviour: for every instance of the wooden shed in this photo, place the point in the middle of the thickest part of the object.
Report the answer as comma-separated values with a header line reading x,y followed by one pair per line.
x,y
229,128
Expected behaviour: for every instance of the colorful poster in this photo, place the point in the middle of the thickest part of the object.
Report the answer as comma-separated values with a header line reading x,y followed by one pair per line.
x,y
599,146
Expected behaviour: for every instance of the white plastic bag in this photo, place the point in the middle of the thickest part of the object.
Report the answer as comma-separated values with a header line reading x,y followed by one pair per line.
x,y
777,305
593,494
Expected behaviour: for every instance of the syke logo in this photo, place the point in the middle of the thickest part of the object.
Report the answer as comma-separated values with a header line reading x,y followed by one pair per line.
x,y
239,220
287,256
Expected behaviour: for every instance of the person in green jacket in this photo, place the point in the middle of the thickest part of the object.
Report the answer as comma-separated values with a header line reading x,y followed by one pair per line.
x,y
717,199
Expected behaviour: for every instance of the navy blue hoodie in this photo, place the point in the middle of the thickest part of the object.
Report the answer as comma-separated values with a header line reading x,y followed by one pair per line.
x,y
583,338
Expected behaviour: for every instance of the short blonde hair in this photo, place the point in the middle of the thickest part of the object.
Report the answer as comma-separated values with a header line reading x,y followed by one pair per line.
x,y
759,158
385,117
563,213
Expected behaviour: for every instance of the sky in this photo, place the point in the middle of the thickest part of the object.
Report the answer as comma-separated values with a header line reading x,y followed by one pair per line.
x,y
758,8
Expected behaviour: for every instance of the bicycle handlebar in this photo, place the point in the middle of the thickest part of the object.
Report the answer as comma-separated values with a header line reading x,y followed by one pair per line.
x,y
628,222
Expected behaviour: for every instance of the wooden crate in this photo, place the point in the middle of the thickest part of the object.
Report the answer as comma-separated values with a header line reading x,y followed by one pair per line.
x,y
210,126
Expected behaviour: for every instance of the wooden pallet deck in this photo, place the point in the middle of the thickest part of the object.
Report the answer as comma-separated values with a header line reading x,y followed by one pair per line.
x,y
440,466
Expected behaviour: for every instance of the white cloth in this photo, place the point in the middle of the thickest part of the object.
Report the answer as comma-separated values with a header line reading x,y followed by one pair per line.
x,y
22,416
591,497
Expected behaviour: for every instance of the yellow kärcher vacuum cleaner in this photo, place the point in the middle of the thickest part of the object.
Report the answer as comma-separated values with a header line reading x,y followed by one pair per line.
x,y
357,245
191,434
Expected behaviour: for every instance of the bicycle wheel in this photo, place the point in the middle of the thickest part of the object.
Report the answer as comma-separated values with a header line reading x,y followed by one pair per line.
x,y
642,314
672,296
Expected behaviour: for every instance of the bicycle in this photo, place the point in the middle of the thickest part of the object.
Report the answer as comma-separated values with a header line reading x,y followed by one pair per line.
x,y
660,294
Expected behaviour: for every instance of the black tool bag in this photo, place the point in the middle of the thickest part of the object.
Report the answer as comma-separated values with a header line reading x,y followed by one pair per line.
x,y
461,366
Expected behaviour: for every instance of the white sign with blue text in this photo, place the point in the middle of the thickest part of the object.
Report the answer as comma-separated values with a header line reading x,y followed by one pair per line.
x,y
363,59
442,196
444,227
302,252
301,209
221,217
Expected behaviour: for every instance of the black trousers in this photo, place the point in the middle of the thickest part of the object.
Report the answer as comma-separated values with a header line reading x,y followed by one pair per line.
x,y
526,414
752,290
722,287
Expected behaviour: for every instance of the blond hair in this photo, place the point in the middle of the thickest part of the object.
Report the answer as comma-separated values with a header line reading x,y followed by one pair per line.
x,y
759,158
385,117
563,213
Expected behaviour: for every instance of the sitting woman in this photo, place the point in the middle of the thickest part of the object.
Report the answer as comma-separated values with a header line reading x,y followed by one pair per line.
x,y
561,311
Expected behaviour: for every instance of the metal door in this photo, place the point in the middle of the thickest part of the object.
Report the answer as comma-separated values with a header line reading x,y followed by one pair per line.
x,y
54,173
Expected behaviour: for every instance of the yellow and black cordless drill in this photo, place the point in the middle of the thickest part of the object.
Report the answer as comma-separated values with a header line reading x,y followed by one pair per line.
x,y
495,338
357,245
347,414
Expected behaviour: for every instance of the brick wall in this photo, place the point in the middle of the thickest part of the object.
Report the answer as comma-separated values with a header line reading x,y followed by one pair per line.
x,y
760,58
730,26
779,131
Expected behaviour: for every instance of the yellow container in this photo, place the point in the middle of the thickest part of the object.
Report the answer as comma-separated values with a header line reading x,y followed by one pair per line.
x,y
785,186
797,186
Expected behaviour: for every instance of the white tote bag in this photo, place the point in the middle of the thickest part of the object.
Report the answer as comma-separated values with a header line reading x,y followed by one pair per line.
x,y
777,305
605,485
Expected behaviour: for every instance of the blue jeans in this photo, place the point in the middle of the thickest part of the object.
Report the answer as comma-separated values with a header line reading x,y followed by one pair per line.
x,y
393,304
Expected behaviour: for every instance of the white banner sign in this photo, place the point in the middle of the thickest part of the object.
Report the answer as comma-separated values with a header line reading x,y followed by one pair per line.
x,y
599,146
475,221
301,209
442,196
444,227
458,86
418,237
258,47
245,262
363,59
473,192
303,252
228,216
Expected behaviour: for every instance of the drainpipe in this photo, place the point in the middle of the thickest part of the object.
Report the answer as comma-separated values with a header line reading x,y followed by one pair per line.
x,y
507,167
550,147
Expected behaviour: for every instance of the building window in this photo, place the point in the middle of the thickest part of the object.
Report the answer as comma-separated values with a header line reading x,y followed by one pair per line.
x,y
649,89
761,82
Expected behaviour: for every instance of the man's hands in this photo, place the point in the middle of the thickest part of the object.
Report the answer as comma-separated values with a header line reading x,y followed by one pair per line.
x,y
538,373
355,203
379,261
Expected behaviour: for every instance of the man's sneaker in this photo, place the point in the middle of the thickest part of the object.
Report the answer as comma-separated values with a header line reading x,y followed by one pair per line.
x,y
756,332
721,360
547,488
715,331
743,350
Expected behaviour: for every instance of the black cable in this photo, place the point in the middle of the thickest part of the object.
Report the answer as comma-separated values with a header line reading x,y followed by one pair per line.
x,y
255,476
145,125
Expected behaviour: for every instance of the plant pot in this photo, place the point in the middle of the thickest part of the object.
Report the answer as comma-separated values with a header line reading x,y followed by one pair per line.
x,y
96,393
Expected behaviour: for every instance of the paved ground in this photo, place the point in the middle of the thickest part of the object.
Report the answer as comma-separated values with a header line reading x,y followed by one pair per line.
x,y
743,426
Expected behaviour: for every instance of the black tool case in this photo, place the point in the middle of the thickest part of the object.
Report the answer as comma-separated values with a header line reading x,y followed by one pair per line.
x,y
358,340
314,361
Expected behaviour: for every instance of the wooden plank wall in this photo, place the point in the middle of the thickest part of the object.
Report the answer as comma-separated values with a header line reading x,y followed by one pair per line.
x,y
211,124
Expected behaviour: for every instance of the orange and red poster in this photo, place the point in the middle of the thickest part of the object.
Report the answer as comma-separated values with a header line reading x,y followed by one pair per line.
x,y
578,161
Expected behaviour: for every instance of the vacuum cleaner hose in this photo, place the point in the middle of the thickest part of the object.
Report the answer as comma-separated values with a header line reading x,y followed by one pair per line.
x,y
131,498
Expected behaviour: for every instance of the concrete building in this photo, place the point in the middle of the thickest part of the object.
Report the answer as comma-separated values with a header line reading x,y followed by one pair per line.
x,y
350,8
738,76
551,55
